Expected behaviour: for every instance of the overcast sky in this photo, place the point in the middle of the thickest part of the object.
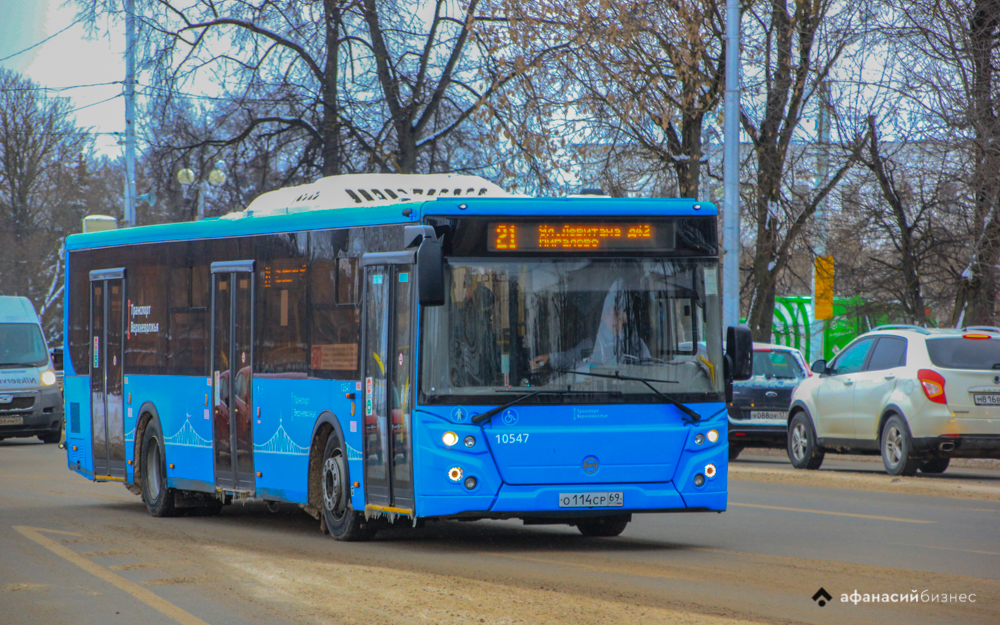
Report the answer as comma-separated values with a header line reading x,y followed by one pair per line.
x,y
68,59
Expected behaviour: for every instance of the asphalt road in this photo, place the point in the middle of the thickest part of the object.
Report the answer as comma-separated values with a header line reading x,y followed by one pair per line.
x,y
76,552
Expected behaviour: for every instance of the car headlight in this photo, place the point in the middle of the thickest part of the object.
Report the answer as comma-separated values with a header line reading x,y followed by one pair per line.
x,y
48,377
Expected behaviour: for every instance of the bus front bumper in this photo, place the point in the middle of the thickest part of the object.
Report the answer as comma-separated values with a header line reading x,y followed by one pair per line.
x,y
527,501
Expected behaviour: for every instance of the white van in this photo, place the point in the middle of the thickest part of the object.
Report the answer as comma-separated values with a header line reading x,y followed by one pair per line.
x,y
30,399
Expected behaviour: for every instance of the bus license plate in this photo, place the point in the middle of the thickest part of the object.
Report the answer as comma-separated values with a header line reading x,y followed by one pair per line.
x,y
11,420
986,400
591,500
767,415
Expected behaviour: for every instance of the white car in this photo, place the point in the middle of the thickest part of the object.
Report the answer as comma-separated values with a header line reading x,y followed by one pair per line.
x,y
917,396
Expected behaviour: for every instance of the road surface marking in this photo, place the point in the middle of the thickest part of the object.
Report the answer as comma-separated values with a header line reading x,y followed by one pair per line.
x,y
985,553
857,516
149,598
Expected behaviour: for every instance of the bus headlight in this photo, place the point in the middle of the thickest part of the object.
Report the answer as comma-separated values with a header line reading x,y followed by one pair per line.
x,y
699,479
710,470
455,474
48,377
713,435
449,438
699,439
470,441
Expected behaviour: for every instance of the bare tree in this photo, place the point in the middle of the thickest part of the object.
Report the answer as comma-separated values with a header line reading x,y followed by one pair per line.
x,y
792,49
629,90
949,51
45,173
353,85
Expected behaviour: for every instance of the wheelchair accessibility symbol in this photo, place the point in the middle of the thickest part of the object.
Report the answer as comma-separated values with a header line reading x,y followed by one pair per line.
x,y
509,417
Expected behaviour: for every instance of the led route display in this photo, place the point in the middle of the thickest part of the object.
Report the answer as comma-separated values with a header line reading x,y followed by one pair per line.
x,y
580,237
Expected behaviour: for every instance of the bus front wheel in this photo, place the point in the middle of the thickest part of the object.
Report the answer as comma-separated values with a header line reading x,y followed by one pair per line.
x,y
158,498
604,526
342,521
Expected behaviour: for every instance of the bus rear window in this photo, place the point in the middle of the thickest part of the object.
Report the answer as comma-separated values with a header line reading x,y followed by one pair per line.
x,y
963,353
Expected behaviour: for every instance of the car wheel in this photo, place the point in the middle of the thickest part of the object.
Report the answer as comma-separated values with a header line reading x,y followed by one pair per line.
x,y
734,451
605,526
158,498
342,521
49,437
934,465
803,451
897,448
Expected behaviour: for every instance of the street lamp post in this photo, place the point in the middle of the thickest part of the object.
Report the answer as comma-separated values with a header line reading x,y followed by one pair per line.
x,y
216,178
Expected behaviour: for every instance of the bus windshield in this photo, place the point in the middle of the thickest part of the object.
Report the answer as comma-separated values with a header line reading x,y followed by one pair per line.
x,y
572,325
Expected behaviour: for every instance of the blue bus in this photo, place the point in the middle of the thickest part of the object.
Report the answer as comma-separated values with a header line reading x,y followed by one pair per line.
x,y
392,349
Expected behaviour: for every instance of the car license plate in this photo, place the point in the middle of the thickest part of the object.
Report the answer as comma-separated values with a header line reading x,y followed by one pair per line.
x,y
11,420
591,500
986,400
767,415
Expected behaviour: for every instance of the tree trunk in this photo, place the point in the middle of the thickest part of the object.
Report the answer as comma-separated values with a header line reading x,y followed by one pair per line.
x,y
332,128
981,286
688,167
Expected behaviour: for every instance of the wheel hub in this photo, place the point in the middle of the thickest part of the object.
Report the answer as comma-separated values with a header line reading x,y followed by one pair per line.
x,y
153,469
893,446
799,442
333,485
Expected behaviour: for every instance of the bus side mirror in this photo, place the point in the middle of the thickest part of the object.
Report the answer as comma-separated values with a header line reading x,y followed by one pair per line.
x,y
430,273
739,351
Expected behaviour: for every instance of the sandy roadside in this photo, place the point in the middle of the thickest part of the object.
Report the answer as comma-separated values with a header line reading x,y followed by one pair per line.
x,y
868,482
375,595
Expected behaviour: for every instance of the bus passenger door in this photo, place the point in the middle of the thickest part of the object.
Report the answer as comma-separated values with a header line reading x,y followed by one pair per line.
x,y
107,418
388,386
232,366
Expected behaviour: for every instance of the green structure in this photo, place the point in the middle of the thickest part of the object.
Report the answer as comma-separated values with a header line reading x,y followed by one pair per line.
x,y
794,325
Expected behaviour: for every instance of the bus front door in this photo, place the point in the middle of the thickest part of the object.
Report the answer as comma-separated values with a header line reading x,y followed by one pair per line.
x,y
232,365
107,419
388,387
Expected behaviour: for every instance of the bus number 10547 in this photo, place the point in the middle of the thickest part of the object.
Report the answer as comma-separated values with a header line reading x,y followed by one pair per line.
x,y
512,438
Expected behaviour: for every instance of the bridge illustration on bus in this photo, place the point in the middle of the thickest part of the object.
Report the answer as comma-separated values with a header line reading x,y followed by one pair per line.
x,y
385,349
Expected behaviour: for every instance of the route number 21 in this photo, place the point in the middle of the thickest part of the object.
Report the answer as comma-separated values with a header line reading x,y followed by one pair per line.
x,y
506,237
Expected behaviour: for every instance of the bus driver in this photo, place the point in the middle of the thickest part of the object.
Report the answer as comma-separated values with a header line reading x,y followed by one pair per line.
x,y
615,343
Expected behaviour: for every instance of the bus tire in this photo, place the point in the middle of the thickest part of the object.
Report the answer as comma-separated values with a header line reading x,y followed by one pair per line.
x,y
342,521
158,498
605,526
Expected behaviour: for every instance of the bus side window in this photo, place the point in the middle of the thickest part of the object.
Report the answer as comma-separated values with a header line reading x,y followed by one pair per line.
x,y
347,281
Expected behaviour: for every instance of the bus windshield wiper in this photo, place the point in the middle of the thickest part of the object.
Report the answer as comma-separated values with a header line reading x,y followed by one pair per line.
x,y
694,416
479,418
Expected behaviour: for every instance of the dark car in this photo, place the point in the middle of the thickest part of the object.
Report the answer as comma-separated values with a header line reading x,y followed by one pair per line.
x,y
758,414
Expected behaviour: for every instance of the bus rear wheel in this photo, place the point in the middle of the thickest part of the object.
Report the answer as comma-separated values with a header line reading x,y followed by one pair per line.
x,y
606,526
342,521
158,498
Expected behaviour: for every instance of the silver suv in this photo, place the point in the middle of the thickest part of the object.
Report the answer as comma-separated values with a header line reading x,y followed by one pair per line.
x,y
917,396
